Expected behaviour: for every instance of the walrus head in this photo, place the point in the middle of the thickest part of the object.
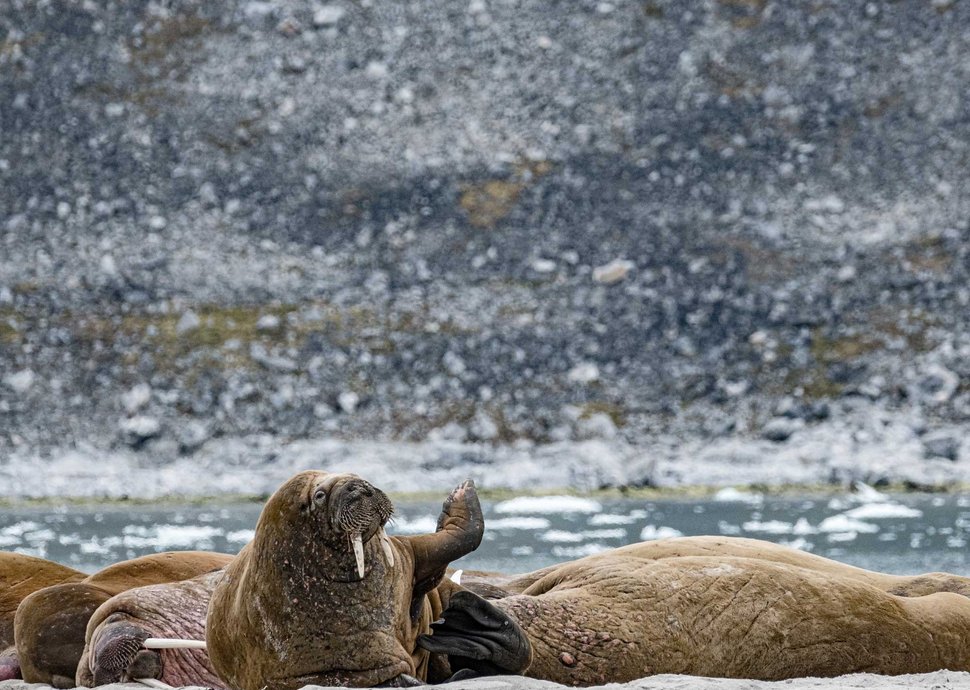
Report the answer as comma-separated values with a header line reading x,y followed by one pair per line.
x,y
322,596
354,512
49,630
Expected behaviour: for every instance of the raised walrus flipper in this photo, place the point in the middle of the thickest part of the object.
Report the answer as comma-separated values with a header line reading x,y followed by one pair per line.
x,y
461,526
479,636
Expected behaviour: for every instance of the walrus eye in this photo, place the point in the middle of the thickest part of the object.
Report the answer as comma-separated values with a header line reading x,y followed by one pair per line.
x,y
319,496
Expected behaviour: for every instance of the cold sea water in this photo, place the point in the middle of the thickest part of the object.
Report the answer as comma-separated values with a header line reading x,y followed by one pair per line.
x,y
907,533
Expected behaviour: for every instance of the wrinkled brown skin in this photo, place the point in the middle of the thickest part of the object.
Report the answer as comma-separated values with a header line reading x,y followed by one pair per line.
x,y
113,653
293,611
50,624
21,576
734,608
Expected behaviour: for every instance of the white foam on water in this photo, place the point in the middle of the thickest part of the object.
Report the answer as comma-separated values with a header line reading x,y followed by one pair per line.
x,y
9,540
879,511
511,523
652,532
726,528
522,551
844,523
768,526
548,505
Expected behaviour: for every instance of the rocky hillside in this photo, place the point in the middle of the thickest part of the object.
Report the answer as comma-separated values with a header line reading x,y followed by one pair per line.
x,y
494,224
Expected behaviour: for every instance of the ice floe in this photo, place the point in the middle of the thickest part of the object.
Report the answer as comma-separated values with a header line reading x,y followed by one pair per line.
x,y
548,504
878,511
843,523
652,532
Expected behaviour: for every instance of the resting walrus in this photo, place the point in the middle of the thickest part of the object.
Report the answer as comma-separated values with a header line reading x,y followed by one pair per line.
x,y
50,624
113,650
708,606
20,576
322,596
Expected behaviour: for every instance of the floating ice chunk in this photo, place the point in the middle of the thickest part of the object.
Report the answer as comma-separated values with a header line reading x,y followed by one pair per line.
x,y
843,536
652,532
608,519
866,494
18,529
800,543
528,523
877,511
844,523
801,526
548,504
604,534
731,495
561,536
768,527
166,536
726,528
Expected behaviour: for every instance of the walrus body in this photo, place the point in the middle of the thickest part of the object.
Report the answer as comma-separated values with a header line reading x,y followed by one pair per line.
x,y
50,624
709,606
113,652
21,576
323,596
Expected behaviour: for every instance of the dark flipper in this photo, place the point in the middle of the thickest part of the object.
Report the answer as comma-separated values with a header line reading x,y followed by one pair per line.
x,y
478,635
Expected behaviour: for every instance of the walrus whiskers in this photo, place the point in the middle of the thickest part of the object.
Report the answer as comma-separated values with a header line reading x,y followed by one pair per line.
x,y
359,553
172,643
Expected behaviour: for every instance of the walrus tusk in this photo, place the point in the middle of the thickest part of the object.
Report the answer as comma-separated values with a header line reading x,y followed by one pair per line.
x,y
456,576
172,643
154,683
359,554
386,547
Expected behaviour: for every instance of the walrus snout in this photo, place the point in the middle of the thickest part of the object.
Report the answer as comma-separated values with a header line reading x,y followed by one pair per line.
x,y
360,510
118,655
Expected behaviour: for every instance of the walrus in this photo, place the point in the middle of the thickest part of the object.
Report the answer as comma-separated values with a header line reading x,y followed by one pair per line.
x,y
113,651
322,596
20,576
707,606
50,624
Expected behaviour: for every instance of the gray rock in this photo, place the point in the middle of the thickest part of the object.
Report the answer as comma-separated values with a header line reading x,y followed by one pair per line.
x,y
942,445
780,429
136,430
20,382
189,321
327,15
136,398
